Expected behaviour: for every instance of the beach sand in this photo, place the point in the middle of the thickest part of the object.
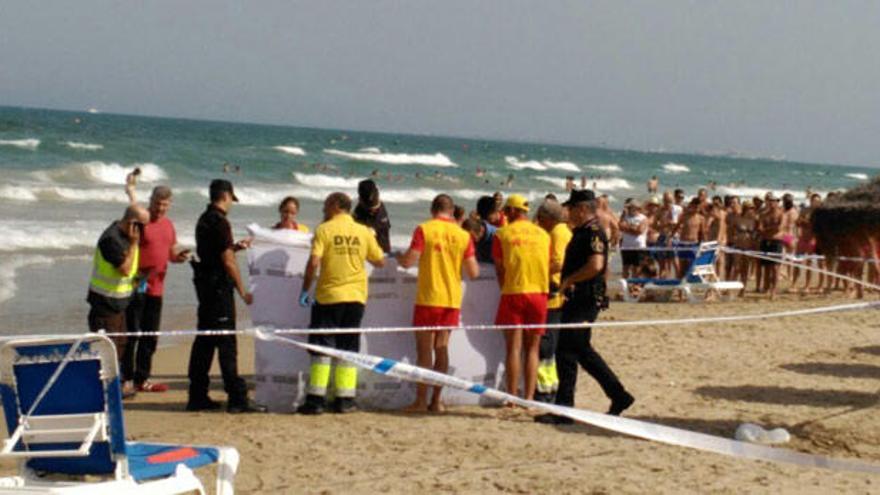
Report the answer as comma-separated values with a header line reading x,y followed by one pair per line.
x,y
817,376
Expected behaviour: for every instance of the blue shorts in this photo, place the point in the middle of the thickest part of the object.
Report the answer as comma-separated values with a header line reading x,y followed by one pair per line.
x,y
686,254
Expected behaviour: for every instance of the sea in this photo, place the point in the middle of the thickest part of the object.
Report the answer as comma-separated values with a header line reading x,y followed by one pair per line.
x,y
62,176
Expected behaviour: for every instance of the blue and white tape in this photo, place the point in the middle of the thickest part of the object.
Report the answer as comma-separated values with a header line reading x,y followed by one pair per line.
x,y
626,426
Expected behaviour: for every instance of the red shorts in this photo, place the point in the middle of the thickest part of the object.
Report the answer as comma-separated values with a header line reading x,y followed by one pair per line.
x,y
434,316
522,309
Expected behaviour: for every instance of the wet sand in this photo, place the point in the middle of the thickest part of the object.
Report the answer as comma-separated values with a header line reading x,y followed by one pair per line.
x,y
817,376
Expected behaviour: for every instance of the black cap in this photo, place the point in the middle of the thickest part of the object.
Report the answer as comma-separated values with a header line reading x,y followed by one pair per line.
x,y
222,185
580,196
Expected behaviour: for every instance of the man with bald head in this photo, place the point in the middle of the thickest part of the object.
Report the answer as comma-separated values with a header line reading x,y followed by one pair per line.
x,y
114,276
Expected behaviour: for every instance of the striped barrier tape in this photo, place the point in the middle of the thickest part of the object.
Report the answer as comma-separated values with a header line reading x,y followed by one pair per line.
x,y
632,427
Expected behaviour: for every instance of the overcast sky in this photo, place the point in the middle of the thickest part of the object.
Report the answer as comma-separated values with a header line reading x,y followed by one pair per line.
x,y
798,78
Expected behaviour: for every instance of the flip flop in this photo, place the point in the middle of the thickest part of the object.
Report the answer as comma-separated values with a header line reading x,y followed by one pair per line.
x,y
152,387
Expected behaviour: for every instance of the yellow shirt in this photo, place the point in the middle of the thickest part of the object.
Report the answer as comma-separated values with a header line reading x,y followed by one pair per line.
x,y
559,237
443,246
523,249
343,246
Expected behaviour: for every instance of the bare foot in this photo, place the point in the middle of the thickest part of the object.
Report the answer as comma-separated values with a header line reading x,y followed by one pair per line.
x,y
437,407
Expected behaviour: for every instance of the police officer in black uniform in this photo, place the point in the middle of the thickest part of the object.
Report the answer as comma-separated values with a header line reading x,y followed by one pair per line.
x,y
216,276
583,283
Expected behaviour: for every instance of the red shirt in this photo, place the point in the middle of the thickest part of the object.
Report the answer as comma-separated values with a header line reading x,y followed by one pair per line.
x,y
159,237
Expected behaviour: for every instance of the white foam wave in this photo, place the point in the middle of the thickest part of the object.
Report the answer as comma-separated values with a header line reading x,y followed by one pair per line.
x,y
675,168
19,235
542,165
435,160
370,149
83,146
272,195
17,193
606,184
101,172
609,167
291,150
321,180
26,144
9,266
32,193
529,164
858,176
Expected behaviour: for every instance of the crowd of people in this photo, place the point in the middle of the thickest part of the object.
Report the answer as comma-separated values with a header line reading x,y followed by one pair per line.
x,y
551,263
658,239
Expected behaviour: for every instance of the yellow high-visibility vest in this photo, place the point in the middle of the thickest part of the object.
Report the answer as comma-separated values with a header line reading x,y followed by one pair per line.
x,y
108,281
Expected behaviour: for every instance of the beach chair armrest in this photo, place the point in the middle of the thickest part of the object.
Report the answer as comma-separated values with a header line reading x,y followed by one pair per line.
x,y
81,429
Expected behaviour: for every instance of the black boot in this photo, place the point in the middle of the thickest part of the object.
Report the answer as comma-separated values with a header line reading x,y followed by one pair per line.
x,y
314,404
344,405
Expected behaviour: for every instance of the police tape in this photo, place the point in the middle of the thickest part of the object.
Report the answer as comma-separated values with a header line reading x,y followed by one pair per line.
x,y
561,326
632,427
695,248
815,269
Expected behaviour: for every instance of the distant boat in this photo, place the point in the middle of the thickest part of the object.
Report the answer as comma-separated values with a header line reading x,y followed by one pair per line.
x,y
93,110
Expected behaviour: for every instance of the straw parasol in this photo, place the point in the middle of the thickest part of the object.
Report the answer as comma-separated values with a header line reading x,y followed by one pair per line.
x,y
852,217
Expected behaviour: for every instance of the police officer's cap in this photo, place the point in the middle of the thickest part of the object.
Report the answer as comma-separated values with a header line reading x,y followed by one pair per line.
x,y
222,185
580,196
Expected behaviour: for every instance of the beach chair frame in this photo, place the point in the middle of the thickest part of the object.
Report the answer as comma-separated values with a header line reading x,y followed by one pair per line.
x,y
91,443
700,277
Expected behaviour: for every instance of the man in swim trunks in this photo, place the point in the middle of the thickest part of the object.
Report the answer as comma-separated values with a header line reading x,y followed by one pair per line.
x,y
441,249
770,232
691,229
522,262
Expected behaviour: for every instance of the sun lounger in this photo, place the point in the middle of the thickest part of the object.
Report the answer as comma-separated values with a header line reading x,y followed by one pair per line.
x,y
62,402
700,277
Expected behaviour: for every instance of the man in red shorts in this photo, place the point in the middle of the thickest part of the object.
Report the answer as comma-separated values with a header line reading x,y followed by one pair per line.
x,y
441,248
522,261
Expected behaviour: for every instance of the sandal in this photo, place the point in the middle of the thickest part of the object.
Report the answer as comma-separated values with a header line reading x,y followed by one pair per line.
x,y
149,386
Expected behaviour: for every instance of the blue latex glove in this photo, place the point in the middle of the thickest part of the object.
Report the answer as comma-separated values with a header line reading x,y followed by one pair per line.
x,y
304,300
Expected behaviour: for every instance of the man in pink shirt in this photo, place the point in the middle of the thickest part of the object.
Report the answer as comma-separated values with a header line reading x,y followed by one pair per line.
x,y
158,246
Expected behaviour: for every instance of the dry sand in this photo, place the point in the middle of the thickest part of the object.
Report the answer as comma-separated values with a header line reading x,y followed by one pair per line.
x,y
816,376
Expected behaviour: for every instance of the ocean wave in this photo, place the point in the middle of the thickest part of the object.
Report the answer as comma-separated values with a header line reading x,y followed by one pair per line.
x,y
542,165
25,144
8,268
601,185
321,180
675,168
608,167
858,176
435,160
101,172
83,146
291,150
526,165
370,149
272,195
20,235
32,193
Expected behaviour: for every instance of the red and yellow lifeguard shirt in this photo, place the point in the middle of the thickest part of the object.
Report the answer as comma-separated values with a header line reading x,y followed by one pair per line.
x,y
523,249
443,246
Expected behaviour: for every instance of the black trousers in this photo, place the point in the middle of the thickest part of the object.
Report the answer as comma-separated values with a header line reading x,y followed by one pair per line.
x,y
216,312
574,348
143,314
550,339
340,315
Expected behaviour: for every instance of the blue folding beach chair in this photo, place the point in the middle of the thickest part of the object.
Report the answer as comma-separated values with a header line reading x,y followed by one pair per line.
x,y
700,276
62,401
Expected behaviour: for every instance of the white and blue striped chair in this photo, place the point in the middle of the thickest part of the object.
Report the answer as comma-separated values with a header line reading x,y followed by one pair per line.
x,y
62,401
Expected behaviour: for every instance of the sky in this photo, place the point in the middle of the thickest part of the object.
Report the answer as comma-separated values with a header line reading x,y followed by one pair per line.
x,y
796,79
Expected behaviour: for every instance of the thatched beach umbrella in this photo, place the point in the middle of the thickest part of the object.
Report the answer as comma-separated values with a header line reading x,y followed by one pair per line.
x,y
850,220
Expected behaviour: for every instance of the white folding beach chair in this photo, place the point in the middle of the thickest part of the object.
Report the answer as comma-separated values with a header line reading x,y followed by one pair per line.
x,y
62,401
700,277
